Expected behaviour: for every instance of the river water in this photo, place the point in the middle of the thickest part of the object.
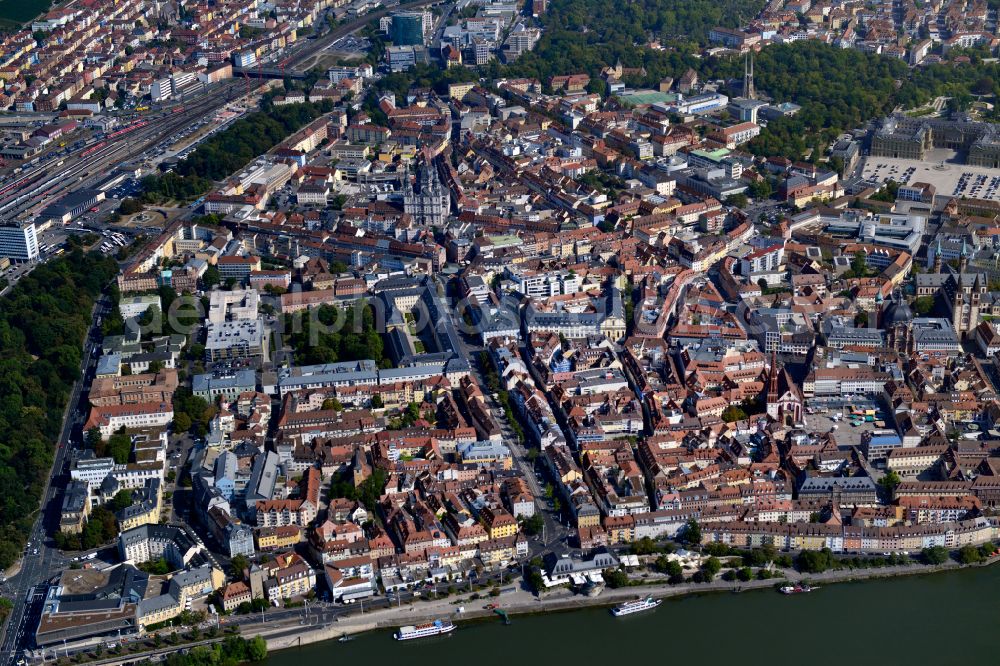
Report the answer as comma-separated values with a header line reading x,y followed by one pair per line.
x,y
944,618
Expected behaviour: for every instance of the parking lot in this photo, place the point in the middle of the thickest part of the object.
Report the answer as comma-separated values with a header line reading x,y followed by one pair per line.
x,y
846,434
948,178
130,187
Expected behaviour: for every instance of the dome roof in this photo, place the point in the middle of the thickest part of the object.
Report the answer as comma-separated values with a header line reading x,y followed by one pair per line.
x,y
897,312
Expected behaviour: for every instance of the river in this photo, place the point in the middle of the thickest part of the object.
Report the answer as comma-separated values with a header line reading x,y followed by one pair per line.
x,y
944,618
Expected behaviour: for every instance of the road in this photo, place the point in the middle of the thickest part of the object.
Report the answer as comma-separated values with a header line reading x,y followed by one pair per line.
x,y
554,535
47,183
42,560
325,613
289,621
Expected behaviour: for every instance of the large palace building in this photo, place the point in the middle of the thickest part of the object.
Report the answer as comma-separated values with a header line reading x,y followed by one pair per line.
x,y
911,138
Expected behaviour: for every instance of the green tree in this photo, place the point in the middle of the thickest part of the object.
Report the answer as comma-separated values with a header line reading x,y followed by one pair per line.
x,y
737,200
923,305
182,422
121,500
237,564
887,193
130,206
733,413
710,568
120,447
157,567
533,525
334,404
616,578
760,189
889,481
211,277
692,532
150,321
969,554
859,265
814,561
644,546
256,649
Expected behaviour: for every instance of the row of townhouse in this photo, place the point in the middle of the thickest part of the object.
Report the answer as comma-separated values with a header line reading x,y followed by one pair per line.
x,y
852,539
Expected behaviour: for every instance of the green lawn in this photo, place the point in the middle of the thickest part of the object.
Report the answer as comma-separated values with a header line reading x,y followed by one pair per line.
x,y
15,13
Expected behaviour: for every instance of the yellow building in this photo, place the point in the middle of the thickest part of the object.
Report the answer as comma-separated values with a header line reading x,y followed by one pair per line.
x,y
498,523
273,538
160,608
497,551
146,510
620,529
460,90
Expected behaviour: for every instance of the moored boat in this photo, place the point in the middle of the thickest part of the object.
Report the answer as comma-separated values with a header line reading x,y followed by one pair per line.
x,y
635,606
435,628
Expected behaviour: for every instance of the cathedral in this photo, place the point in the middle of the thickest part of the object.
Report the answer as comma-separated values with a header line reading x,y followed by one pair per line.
x,y
427,201
962,292
895,318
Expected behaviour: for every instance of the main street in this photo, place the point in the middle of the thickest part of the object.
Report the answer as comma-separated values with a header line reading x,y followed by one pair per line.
x,y
554,537
41,560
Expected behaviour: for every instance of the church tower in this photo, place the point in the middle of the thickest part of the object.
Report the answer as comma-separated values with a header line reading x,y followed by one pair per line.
x,y
427,200
748,88
937,258
975,301
772,388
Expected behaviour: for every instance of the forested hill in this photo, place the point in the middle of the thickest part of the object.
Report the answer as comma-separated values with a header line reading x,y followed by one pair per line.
x,y
585,35
838,89
639,21
43,322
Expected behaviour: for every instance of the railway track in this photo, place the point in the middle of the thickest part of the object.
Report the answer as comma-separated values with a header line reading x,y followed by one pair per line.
x,y
95,160
81,169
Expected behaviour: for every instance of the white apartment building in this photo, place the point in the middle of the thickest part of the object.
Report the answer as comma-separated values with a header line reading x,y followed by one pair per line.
x,y
235,305
136,305
19,243
110,418
763,260
161,89
538,284
245,59
245,338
